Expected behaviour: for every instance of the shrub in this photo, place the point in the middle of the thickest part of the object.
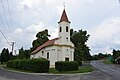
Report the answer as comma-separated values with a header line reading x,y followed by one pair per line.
x,y
80,62
35,65
66,65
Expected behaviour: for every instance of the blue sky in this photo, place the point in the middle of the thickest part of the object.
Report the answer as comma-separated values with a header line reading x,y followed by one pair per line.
x,y
101,18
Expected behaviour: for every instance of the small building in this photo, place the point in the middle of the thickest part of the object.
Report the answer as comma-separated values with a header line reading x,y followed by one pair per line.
x,y
58,49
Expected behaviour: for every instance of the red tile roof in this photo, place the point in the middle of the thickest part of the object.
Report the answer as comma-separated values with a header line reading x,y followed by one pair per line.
x,y
48,43
64,17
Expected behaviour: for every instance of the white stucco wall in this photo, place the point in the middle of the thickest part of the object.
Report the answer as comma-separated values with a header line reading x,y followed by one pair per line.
x,y
67,52
56,53
63,34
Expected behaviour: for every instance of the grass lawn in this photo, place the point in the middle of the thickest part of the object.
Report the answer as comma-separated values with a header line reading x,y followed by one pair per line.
x,y
3,65
81,70
17,69
107,62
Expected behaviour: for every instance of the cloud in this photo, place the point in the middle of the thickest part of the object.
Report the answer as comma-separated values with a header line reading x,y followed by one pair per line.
x,y
32,16
89,1
35,28
54,33
18,31
24,37
106,36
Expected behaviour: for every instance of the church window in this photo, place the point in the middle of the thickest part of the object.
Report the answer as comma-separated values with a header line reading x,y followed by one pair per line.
x,y
66,59
42,53
66,28
60,29
67,49
53,49
47,55
67,38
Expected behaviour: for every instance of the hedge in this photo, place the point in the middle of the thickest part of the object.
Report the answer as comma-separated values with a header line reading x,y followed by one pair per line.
x,y
80,62
35,65
66,65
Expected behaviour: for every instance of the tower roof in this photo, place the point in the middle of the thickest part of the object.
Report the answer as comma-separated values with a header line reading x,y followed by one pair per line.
x,y
64,17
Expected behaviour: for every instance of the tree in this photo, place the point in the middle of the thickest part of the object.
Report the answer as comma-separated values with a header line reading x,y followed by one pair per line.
x,y
5,56
24,54
27,54
0,58
42,37
21,53
79,39
11,56
116,53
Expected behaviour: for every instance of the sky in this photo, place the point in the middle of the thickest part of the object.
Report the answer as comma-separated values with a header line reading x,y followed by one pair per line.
x,y
20,20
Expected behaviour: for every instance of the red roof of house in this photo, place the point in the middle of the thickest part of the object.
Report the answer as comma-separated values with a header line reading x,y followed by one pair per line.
x,y
48,43
64,17
118,57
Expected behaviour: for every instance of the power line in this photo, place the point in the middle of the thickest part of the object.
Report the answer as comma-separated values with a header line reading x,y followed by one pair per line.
x,y
4,14
2,25
5,37
10,16
2,31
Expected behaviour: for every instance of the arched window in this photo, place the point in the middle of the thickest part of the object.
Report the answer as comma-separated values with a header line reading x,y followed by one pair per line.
x,y
66,28
60,29
47,55
42,53
67,38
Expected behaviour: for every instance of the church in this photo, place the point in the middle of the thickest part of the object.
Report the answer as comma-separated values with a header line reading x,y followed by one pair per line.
x,y
60,48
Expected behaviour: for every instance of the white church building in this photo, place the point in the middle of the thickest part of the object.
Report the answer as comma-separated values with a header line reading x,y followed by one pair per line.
x,y
58,49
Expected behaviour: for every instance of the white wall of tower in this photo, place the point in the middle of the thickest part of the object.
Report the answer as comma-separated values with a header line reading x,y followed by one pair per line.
x,y
63,34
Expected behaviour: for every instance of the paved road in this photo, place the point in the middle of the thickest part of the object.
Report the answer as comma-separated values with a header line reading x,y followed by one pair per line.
x,y
105,72
8,75
111,70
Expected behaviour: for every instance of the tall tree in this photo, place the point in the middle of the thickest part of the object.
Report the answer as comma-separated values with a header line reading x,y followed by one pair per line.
x,y
42,37
5,56
11,56
79,39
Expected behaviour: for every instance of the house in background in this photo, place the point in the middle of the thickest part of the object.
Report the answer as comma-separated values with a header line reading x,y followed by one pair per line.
x,y
58,49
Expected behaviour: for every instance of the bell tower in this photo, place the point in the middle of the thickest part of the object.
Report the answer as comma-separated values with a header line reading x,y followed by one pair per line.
x,y
64,28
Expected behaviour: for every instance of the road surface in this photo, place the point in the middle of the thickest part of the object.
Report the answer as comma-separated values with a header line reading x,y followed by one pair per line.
x,y
113,71
103,72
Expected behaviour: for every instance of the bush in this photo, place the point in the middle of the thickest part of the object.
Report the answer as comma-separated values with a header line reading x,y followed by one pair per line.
x,y
66,65
35,65
80,62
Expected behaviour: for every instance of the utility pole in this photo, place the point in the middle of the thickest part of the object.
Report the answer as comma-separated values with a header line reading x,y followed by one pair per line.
x,y
15,52
12,46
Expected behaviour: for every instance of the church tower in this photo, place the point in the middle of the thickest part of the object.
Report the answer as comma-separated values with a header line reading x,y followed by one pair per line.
x,y
64,28
60,48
